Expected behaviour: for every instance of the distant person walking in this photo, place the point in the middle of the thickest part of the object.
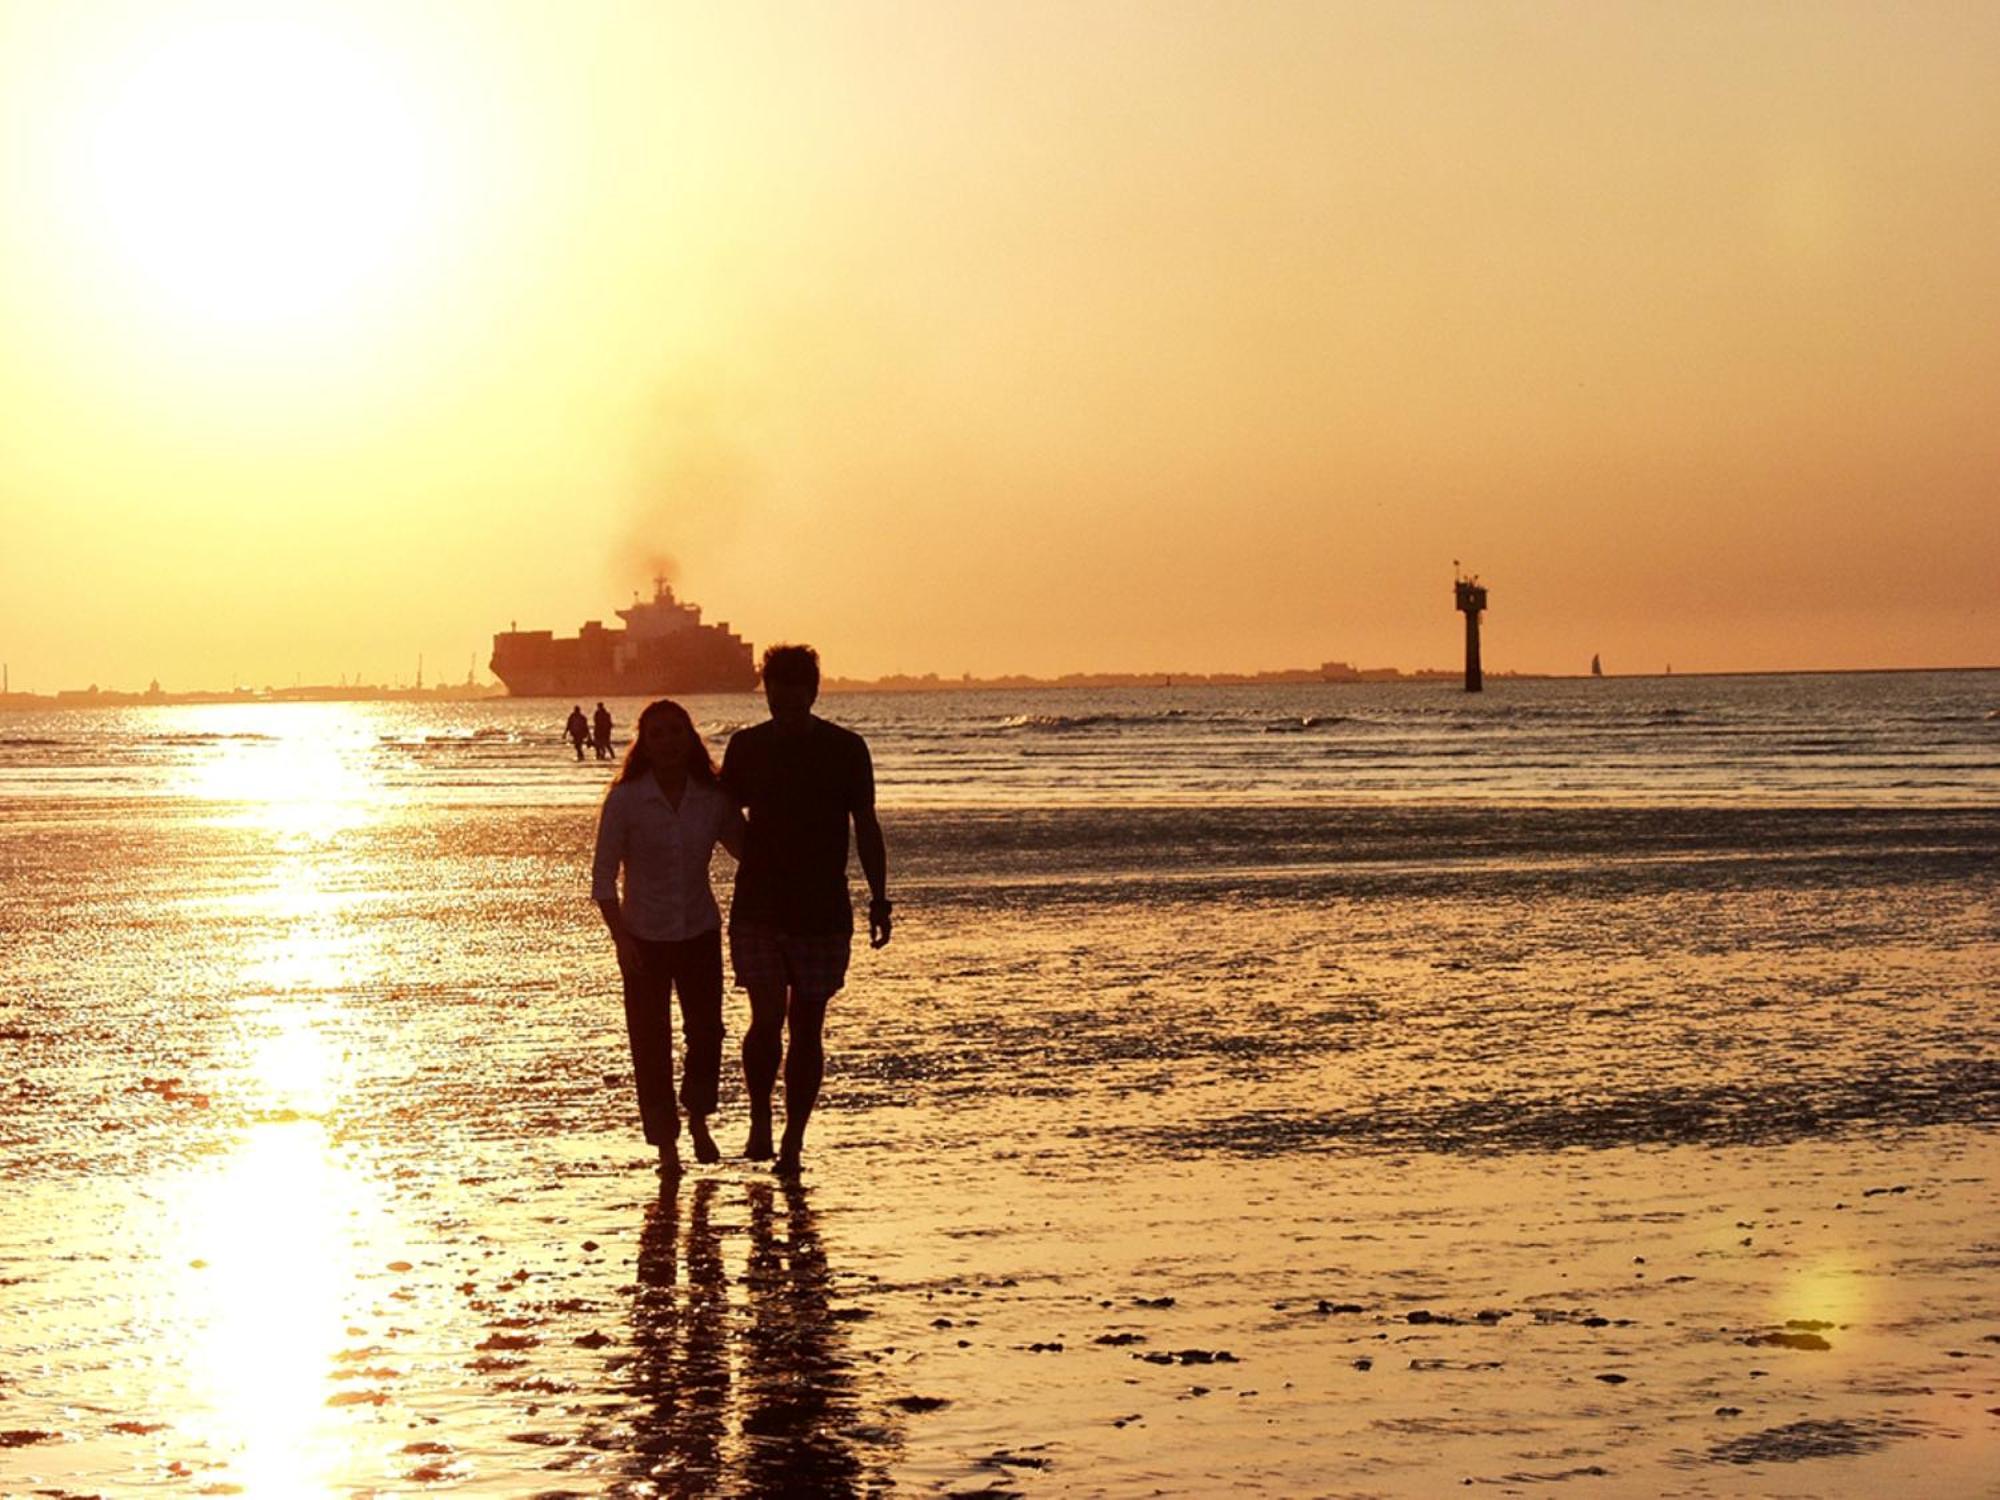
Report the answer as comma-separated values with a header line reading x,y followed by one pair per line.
x,y
660,823
577,730
799,779
600,731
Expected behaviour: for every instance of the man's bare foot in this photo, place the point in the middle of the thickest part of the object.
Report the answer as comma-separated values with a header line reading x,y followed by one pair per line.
x,y
789,1151
705,1149
670,1160
758,1147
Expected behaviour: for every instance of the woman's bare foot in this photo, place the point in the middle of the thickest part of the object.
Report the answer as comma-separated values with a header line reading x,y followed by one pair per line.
x,y
670,1160
758,1147
705,1149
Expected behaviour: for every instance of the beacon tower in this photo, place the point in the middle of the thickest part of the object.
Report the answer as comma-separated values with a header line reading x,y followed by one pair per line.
x,y
1472,604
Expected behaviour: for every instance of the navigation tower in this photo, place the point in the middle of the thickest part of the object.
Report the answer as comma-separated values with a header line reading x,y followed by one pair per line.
x,y
1471,603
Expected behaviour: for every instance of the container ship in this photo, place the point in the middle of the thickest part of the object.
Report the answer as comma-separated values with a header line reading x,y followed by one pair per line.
x,y
663,648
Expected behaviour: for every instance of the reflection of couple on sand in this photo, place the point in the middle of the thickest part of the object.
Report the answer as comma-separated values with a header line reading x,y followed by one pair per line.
x,y
758,1387
781,804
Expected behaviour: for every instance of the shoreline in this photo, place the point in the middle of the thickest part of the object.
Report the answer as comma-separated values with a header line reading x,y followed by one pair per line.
x,y
916,686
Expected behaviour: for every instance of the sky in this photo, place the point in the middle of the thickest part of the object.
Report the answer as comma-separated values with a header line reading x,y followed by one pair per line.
x,y
1007,337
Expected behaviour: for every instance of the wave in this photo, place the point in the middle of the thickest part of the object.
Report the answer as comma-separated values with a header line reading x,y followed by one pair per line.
x,y
1304,722
1068,723
210,737
488,734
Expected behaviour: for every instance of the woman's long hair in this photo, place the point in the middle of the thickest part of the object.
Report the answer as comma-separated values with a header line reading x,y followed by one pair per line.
x,y
700,764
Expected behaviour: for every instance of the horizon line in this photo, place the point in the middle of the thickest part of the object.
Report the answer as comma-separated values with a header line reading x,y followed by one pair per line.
x,y
935,682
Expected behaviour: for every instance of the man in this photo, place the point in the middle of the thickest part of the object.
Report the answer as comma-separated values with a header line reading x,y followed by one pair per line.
x,y
600,731
577,729
799,779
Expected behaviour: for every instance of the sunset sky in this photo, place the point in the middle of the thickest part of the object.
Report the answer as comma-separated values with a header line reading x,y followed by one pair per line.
x,y
999,337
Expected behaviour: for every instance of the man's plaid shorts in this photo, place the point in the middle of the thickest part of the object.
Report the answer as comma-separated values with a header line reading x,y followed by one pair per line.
x,y
812,965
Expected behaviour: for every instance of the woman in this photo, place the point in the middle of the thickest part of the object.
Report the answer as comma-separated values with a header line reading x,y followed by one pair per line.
x,y
661,821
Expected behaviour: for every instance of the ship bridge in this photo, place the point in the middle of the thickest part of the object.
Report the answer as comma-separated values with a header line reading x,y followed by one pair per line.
x,y
663,615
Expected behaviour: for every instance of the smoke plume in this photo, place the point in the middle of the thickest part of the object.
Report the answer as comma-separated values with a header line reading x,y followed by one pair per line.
x,y
693,478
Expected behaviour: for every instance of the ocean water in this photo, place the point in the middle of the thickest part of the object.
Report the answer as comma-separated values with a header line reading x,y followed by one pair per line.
x,y
1919,738
323,1174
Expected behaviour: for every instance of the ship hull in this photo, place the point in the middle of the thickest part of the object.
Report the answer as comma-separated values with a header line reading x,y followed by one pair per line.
x,y
527,683
670,651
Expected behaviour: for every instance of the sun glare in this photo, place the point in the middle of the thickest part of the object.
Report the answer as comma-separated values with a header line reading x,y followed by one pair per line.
x,y
265,1251
259,171
300,772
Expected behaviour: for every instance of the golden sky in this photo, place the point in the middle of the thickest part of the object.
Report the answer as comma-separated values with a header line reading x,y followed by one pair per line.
x,y
998,337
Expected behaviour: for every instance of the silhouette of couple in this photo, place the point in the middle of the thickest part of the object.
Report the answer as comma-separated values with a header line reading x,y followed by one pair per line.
x,y
780,804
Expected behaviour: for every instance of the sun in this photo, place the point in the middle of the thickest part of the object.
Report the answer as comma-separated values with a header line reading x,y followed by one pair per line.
x,y
260,170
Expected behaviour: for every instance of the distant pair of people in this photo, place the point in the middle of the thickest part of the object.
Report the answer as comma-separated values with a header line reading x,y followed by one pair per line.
x,y
594,731
781,804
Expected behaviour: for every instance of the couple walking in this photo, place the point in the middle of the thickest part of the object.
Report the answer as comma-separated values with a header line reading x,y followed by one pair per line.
x,y
781,805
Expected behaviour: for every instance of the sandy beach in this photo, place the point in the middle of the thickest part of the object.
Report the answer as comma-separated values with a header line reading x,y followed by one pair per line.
x,y
1285,1150
1799,1321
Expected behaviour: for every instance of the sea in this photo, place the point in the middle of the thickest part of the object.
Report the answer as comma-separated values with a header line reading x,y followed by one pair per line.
x,y
1614,1026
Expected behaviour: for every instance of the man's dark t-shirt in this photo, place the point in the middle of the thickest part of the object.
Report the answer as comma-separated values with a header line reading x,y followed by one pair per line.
x,y
798,788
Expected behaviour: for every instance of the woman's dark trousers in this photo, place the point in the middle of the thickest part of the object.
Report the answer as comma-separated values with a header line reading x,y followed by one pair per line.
x,y
693,967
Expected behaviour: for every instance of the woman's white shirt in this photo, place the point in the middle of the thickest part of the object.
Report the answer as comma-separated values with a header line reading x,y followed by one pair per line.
x,y
665,852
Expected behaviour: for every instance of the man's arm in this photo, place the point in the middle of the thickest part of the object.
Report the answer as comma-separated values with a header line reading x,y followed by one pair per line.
x,y
868,842
731,774
730,832
875,865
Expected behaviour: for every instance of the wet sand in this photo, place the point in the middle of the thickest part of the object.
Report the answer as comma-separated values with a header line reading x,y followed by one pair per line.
x,y
1795,1321
1484,1154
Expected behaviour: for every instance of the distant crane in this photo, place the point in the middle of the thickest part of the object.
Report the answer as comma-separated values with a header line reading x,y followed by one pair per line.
x,y
1472,604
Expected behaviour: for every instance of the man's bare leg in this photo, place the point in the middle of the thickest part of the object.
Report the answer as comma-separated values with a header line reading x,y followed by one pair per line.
x,y
805,1067
763,1050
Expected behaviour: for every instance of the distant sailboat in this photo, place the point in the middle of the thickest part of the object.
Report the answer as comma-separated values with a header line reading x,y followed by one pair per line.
x,y
1596,666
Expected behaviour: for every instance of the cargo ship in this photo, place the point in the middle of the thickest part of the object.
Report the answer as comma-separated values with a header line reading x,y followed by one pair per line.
x,y
662,648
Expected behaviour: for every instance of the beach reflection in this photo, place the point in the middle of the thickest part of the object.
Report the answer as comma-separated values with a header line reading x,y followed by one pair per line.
x,y
291,990
296,781
680,1365
745,1388
799,1386
261,1277
266,1264
303,772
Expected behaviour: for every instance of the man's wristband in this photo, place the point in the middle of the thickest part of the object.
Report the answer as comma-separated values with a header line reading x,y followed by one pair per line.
x,y
882,904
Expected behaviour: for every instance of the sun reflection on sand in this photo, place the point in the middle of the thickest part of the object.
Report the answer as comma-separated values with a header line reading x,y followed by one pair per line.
x,y
263,1253
1826,1290
266,1250
300,771
316,942
294,1067
297,778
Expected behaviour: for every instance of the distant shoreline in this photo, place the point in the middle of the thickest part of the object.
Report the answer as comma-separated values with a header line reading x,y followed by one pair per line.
x,y
1368,678
901,683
